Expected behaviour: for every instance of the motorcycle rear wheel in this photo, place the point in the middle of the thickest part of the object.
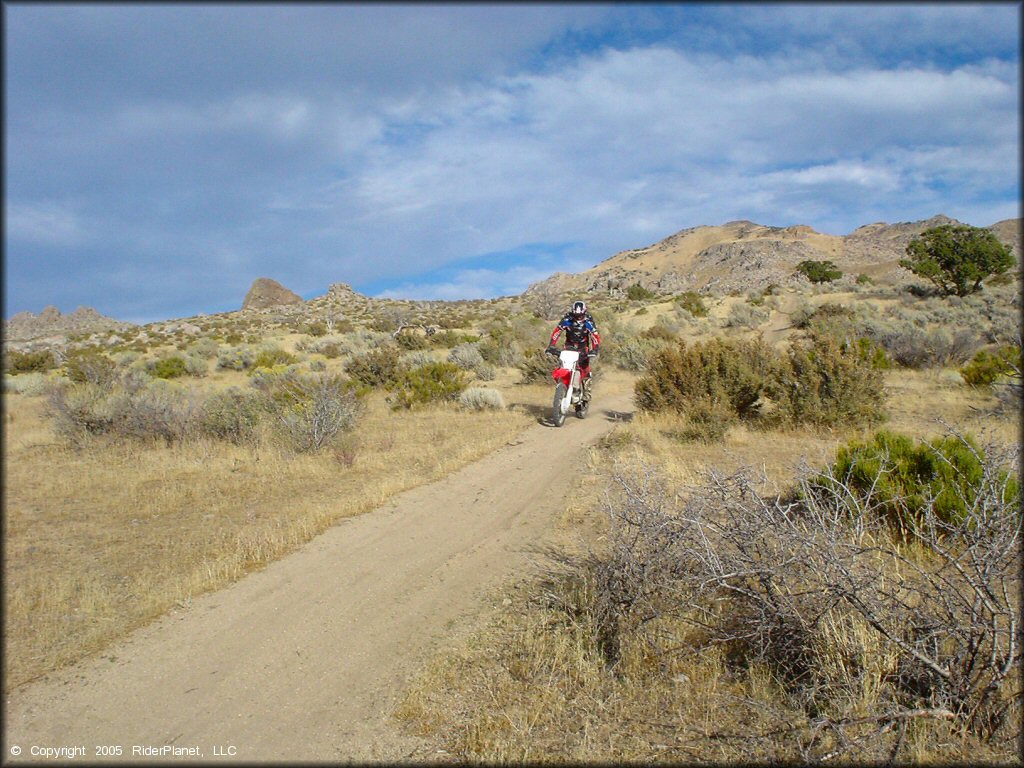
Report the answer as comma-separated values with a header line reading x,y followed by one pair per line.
x,y
557,414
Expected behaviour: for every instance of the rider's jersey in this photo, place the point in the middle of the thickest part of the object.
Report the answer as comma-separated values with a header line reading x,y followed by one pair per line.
x,y
579,334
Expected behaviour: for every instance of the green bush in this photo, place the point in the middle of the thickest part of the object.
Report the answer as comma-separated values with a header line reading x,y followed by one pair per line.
x,y
637,292
989,366
819,271
693,303
712,377
237,358
832,383
269,357
537,367
412,341
432,383
29,362
232,415
90,366
169,368
896,478
377,368
821,382
316,329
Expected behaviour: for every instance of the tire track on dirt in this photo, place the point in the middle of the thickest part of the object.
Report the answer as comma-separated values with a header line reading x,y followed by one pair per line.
x,y
305,659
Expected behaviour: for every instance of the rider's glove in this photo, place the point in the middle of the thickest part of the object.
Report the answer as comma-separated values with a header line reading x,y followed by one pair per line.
x,y
552,350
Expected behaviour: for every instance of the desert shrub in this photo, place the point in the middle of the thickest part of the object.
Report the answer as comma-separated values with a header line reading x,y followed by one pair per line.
x,y
124,409
418,358
826,315
859,632
314,411
433,383
633,352
743,315
90,366
315,328
380,367
819,271
896,478
236,358
693,303
637,292
469,358
911,346
715,381
206,348
28,362
482,399
537,367
506,352
863,279
447,339
821,382
156,411
829,382
269,357
233,415
412,341
331,348
988,366
27,384
169,368
658,333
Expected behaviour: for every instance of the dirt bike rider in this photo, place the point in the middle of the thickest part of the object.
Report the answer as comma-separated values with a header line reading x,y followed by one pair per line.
x,y
580,335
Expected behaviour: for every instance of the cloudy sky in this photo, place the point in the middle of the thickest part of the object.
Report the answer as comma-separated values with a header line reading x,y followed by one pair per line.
x,y
159,158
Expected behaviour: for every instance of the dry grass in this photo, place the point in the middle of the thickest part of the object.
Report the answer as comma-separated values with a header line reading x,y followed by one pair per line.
x,y
101,540
531,683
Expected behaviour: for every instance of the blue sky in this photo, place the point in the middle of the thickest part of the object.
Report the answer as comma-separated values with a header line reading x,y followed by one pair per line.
x,y
159,158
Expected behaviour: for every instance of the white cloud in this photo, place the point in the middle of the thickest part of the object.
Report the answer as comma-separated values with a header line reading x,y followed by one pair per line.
x,y
370,142
45,224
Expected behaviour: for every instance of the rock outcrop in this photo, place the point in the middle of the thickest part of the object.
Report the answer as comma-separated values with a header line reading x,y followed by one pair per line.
x,y
266,294
51,322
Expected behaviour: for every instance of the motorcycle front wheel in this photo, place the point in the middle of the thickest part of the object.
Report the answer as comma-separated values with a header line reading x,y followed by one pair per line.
x,y
557,414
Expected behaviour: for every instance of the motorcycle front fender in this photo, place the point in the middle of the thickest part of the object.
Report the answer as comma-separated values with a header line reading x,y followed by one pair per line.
x,y
563,375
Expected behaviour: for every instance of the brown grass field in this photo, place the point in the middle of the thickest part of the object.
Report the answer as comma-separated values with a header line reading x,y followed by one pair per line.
x,y
529,685
104,536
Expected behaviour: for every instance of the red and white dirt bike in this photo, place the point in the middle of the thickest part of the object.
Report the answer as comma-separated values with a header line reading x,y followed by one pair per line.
x,y
569,392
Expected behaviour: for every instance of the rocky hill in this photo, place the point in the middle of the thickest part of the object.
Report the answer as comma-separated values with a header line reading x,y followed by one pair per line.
x,y
26,326
744,256
266,293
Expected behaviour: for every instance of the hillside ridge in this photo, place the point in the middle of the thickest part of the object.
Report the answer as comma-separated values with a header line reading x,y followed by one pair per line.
x,y
739,255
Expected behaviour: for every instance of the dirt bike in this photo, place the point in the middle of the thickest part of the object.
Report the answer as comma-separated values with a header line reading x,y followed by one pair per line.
x,y
568,388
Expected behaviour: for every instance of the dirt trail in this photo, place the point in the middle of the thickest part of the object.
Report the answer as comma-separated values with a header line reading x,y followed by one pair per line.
x,y
780,323
305,659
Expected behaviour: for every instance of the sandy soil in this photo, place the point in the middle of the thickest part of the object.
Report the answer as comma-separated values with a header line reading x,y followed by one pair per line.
x,y
305,660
